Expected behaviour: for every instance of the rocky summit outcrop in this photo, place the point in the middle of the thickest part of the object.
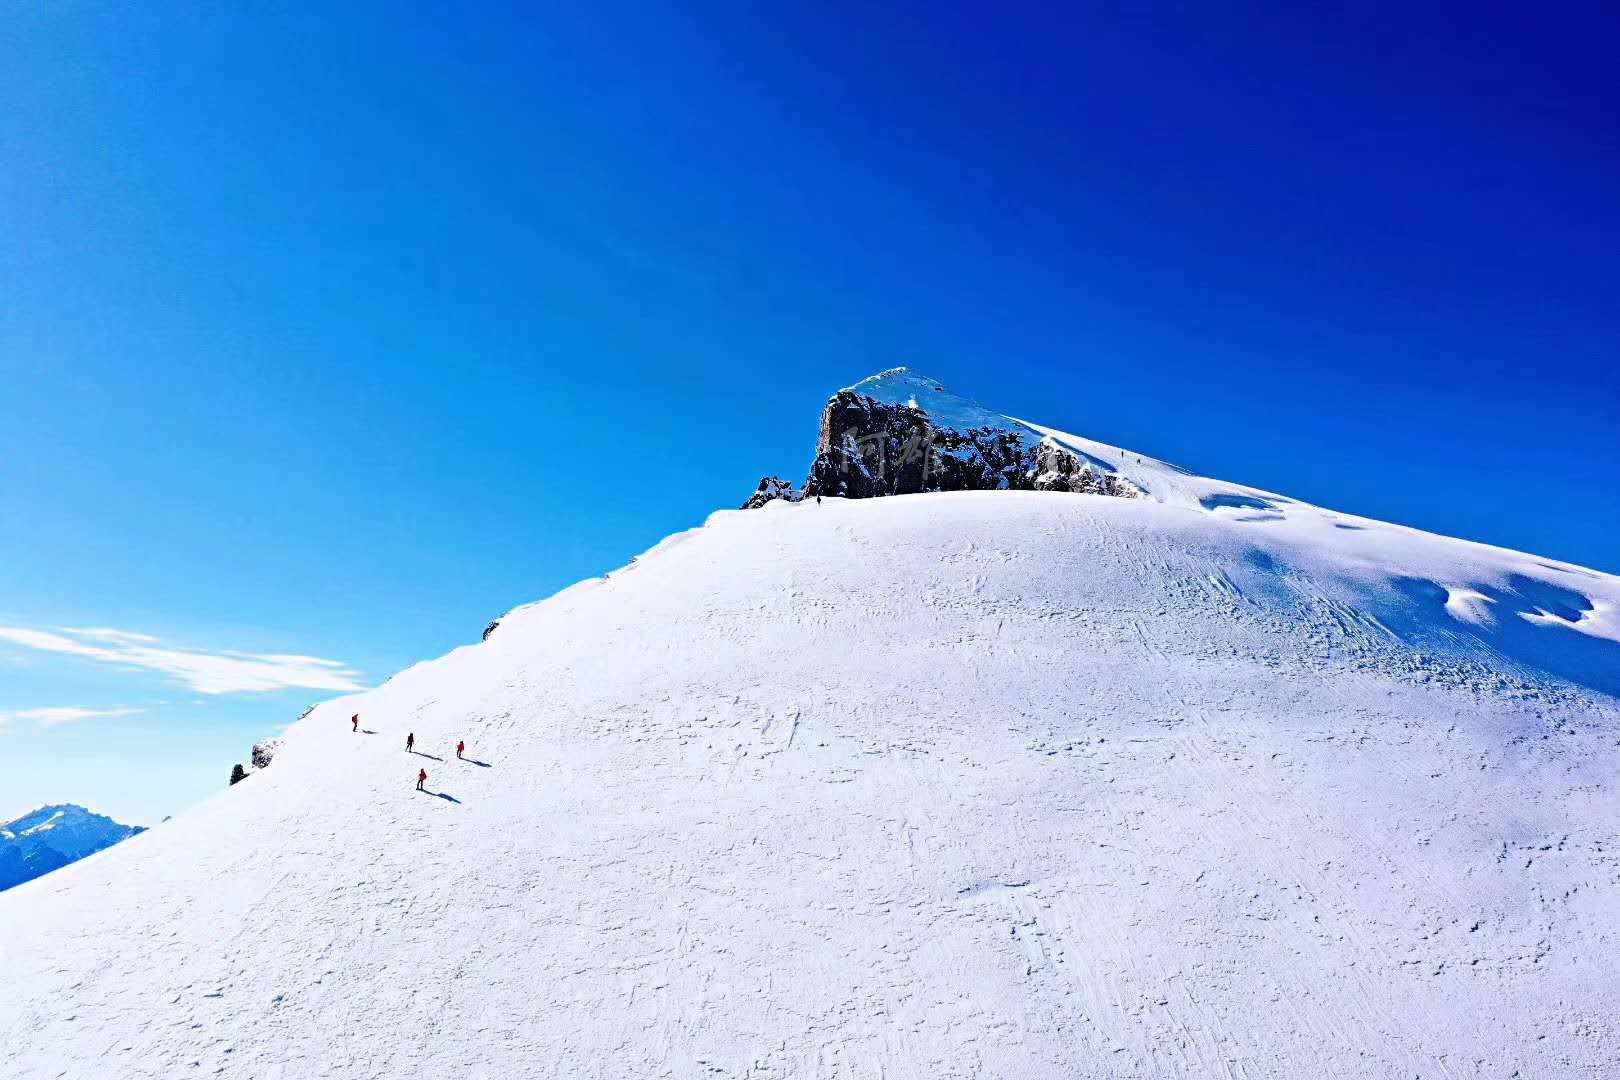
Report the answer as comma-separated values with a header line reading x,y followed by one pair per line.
x,y
771,488
868,449
898,433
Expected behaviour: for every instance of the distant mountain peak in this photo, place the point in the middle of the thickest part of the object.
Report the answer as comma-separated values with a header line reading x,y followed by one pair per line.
x,y
52,836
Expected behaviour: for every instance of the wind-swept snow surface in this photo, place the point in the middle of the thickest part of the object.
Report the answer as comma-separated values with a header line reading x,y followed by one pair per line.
x,y
1207,784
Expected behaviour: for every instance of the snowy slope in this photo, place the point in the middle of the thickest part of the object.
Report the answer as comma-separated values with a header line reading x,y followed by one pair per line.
x,y
975,784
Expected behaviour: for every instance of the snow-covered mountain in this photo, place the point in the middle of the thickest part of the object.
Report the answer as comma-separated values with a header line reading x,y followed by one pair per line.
x,y
1014,783
50,837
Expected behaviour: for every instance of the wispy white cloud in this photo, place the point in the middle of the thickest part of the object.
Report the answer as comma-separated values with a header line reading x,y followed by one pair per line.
x,y
205,671
103,633
65,714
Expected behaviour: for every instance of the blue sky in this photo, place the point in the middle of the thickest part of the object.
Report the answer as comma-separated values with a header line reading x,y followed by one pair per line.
x,y
333,335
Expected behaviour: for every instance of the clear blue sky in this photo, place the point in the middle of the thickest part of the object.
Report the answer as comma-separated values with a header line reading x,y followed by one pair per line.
x,y
337,331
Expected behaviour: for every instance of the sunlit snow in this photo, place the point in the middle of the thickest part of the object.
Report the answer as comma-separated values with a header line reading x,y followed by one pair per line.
x,y
1210,783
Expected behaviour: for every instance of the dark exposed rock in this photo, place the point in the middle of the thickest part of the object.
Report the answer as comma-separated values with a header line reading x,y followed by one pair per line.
x,y
771,488
262,754
490,629
265,752
869,448
1059,469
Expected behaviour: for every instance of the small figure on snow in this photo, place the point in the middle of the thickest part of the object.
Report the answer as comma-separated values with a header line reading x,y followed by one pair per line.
x,y
421,778
410,741
355,719
460,746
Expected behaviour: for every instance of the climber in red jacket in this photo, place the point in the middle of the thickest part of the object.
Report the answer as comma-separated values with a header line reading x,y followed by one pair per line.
x,y
421,778
460,746
355,719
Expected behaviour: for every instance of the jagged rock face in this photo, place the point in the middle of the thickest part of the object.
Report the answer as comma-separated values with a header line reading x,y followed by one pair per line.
x,y
869,448
1057,469
771,488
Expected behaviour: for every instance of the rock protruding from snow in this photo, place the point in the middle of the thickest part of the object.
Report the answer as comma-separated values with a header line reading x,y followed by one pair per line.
x,y
1057,468
869,448
262,754
900,433
265,752
771,488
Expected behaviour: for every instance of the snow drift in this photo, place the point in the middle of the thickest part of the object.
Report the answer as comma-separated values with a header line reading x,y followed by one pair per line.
x,y
1204,783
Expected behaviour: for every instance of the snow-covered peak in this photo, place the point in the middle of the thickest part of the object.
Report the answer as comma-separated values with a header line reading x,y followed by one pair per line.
x,y
902,432
65,820
42,818
977,782
914,390
1149,477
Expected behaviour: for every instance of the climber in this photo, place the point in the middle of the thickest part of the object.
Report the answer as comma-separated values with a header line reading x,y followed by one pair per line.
x,y
355,719
410,741
460,746
421,778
